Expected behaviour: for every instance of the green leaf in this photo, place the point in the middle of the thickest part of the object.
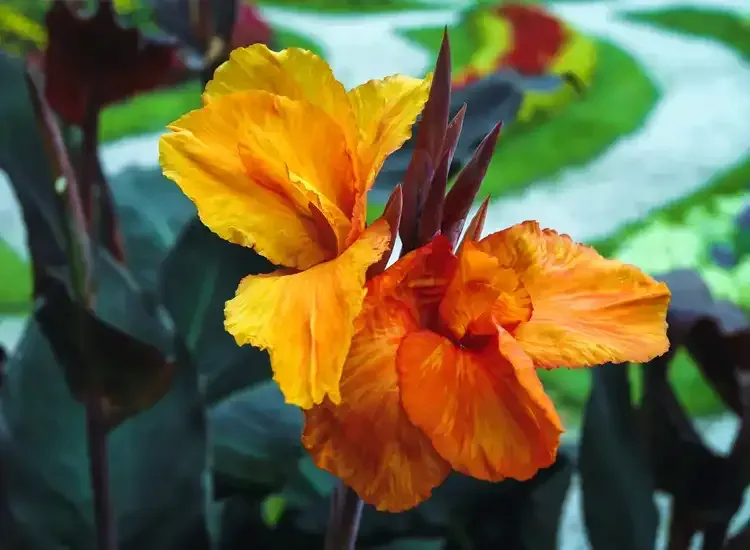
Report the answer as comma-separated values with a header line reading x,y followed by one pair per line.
x,y
255,438
272,508
618,486
152,211
414,544
200,274
156,459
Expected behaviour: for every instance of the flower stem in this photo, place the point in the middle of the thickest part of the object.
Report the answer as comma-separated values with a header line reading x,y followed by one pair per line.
x,y
104,516
346,512
96,428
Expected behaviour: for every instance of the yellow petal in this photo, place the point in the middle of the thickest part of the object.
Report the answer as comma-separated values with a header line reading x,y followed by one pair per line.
x,y
297,148
294,73
367,440
264,205
201,156
484,409
385,111
588,310
306,320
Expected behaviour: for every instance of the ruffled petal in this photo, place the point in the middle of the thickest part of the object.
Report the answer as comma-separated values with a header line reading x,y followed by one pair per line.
x,y
367,440
481,286
202,156
294,73
485,410
385,111
294,147
306,320
588,310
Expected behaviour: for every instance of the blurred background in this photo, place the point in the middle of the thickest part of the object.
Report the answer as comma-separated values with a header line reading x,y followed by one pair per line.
x,y
650,165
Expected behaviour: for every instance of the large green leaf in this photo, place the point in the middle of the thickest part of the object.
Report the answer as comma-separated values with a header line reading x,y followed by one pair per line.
x,y
156,460
152,211
200,274
255,438
618,486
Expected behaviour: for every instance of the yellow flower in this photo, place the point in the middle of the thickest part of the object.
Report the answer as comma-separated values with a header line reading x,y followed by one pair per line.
x,y
280,158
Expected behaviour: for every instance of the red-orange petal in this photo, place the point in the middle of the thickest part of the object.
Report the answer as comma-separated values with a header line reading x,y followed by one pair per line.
x,y
485,410
478,283
588,310
367,440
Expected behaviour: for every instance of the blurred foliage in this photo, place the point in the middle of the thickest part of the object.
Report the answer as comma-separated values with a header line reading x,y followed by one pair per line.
x,y
15,292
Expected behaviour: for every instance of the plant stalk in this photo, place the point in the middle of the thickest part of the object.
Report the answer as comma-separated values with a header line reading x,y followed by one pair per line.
x,y
104,517
96,428
346,513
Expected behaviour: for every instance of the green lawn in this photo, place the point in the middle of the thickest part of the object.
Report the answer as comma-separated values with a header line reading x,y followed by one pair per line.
x,y
15,292
715,24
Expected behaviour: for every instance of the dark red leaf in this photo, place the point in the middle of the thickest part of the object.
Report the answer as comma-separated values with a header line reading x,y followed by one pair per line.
x,y
476,225
418,176
707,488
453,133
69,193
99,360
96,59
428,148
431,215
464,191
392,214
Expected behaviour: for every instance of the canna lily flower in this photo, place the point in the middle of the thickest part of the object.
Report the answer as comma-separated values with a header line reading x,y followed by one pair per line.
x,y
280,159
441,374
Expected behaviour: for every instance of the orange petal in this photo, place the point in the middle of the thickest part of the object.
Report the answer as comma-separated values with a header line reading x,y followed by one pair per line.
x,y
479,282
385,111
588,310
306,320
367,440
294,73
202,156
485,410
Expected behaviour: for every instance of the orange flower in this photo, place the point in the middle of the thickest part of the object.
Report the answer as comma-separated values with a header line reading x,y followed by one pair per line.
x,y
279,159
441,374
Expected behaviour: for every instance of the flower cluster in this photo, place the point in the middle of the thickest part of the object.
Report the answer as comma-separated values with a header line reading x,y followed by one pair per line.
x,y
430,365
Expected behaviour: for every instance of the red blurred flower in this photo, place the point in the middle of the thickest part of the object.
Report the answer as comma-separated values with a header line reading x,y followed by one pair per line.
x,y
96,59
537,38
250,28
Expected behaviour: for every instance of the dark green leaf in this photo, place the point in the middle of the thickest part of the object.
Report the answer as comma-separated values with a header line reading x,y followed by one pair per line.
x,y
413,544
200,274
256,438
152,211
157,459
617,483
